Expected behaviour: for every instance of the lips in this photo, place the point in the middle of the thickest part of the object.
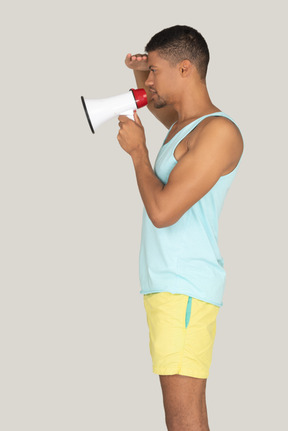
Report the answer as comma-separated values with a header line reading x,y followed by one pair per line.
x,y
153,93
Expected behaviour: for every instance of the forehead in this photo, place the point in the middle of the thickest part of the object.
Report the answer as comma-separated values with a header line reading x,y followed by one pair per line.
x,y
154,59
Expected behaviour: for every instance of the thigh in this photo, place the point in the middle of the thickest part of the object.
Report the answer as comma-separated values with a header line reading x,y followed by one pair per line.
x,y
184,401
177,389
182,331
166,321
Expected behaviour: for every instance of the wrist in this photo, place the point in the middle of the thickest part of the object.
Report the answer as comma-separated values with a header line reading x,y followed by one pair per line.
x,y
140,155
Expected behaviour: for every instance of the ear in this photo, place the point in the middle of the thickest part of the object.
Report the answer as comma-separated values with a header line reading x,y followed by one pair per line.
x,y
185,68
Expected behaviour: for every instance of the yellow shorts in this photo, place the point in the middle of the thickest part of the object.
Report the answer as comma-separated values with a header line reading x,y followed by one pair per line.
x,y
182,332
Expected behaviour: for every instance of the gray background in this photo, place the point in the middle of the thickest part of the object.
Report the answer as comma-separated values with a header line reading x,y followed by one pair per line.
x,y
74,339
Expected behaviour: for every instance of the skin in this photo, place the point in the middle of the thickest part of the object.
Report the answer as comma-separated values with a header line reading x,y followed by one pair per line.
x,y
209,152
177,94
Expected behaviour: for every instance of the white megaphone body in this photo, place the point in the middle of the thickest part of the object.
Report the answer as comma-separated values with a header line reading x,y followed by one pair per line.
x,y
100,110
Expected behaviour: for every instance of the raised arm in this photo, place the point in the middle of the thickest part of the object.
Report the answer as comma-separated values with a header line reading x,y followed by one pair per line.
x,y
216,152
139,64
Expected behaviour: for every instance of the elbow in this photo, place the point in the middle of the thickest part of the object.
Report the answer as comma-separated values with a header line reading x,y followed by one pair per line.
x,y
161,220
158,223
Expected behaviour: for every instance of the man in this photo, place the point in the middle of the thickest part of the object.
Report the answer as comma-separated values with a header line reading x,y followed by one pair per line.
x,y
181,268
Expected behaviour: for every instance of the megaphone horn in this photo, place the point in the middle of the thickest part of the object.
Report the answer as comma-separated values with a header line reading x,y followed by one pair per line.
x,y
99,110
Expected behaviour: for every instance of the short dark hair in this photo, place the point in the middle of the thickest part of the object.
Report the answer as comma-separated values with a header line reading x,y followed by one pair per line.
x,y
180,43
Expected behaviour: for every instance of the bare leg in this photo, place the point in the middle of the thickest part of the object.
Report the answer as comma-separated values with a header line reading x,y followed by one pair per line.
x,y
184,403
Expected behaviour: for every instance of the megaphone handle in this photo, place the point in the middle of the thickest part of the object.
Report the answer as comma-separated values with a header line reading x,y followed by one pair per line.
x,y
129,114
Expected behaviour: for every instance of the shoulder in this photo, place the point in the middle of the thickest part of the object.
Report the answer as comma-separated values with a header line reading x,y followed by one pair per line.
x,y
222,139
221,126
220,132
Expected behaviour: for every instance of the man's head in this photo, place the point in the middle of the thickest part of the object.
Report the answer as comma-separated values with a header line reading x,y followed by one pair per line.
x,y
179,43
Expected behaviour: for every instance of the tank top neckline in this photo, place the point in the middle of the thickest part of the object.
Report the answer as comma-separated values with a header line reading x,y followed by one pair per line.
x,y
220,113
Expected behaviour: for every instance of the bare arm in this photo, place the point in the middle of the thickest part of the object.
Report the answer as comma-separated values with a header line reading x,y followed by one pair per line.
x,y
218,149
139,64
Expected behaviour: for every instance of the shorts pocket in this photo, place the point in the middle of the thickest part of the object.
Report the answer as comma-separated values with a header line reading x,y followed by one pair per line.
x,y
188,311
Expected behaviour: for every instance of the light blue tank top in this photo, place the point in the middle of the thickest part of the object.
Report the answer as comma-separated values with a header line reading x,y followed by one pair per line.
x,y
185,257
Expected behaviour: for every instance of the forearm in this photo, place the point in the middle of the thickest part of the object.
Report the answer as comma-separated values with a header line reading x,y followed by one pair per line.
x,y
150,187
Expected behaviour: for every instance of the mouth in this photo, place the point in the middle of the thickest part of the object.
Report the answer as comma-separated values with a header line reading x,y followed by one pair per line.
x,y
153,93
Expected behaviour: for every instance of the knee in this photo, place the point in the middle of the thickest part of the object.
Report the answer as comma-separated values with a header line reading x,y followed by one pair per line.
x,y
184,426
187,421
184,403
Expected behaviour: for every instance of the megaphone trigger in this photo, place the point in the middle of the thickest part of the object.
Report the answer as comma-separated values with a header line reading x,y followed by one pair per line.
x,y
129,114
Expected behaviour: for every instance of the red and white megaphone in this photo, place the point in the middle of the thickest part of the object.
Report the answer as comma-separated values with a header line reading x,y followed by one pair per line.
x,y
99,110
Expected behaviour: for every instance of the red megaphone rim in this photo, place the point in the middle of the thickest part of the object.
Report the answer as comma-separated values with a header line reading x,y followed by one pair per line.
x,y
140,97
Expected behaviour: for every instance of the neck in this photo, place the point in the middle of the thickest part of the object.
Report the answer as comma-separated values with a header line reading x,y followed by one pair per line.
x,y
194,103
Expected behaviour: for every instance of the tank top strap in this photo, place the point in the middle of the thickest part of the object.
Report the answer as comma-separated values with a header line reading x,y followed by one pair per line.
x,y
187,129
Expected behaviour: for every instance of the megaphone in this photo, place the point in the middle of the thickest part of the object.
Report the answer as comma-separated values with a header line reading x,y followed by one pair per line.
x,y
99,110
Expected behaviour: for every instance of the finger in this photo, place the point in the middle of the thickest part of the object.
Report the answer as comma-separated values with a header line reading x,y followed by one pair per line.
x,y
137,119
123,119
138,57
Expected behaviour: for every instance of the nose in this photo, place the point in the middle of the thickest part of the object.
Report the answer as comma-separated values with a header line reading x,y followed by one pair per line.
x,y
149,80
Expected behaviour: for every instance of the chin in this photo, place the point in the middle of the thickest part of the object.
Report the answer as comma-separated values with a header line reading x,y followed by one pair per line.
x,y
160,104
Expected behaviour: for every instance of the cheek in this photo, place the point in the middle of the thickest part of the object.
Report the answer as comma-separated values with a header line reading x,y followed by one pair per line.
x,y
170,80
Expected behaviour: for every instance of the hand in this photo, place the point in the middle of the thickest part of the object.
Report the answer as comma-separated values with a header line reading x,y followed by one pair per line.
x,y
137,61
131,135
